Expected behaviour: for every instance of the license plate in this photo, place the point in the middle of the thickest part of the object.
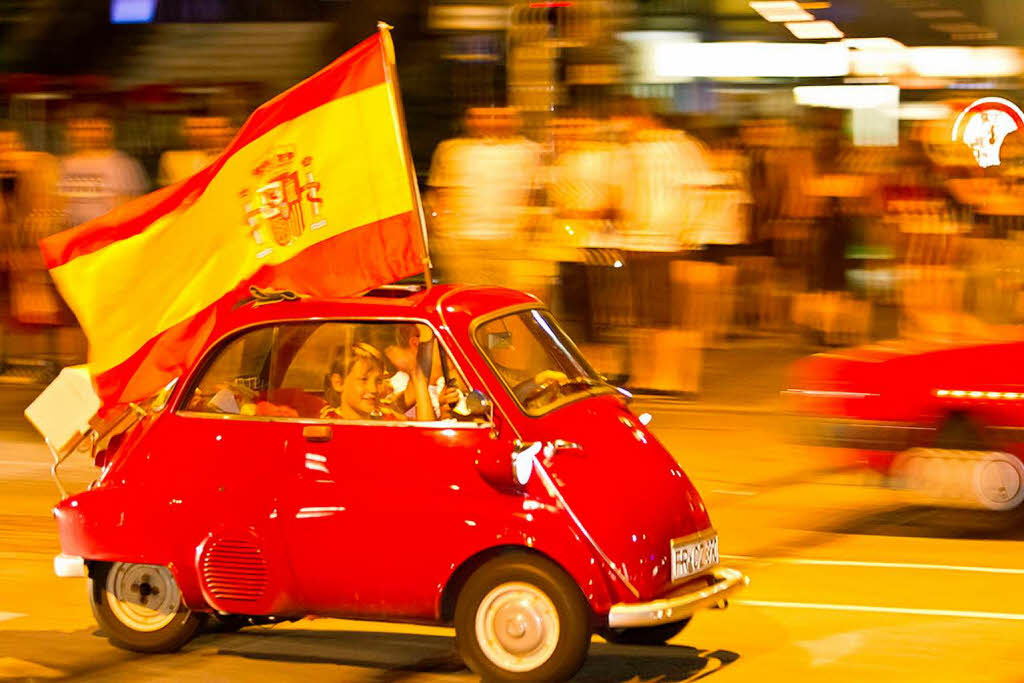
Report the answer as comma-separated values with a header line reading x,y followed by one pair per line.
x,y
693,557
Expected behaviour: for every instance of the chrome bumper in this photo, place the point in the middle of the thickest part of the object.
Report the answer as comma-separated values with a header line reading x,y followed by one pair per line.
x,y
69,566
678,606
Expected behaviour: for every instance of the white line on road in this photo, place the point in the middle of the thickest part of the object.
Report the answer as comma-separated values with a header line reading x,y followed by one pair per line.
x,y
882,610
6,616
880,565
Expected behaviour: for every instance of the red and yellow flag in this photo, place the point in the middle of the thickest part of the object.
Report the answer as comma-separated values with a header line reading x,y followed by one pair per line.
x,y
314,194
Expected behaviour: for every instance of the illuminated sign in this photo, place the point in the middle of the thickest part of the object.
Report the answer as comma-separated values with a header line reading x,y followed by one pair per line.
x,y
984,125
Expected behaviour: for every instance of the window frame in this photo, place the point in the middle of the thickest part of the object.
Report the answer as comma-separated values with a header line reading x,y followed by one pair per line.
x,y
217,348
554,405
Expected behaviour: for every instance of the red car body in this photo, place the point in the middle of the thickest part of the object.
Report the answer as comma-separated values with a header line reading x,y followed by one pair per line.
x,y
386,521
881,401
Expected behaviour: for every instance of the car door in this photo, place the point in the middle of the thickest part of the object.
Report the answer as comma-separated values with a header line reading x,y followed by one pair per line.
x,y
379,510
237,457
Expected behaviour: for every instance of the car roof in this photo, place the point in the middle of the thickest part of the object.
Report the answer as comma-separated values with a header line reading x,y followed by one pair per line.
x,y
459,302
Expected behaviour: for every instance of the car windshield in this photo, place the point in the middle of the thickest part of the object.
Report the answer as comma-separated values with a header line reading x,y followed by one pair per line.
x,y
537,360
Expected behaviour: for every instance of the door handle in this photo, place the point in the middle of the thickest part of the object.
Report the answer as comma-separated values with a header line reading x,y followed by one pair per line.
x,y
317,433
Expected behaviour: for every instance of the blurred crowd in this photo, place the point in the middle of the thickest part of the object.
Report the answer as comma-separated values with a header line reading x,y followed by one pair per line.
x,y
43,193
653,238
656,238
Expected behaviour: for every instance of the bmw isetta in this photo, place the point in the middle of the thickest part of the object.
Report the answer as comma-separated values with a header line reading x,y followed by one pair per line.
x,y
437,455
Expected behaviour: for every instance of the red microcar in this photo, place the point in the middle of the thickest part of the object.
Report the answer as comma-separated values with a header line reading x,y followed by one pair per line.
x,y
441,456
946,420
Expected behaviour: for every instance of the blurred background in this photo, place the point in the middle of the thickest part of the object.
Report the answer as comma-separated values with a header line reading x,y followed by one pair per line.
x,y
678,179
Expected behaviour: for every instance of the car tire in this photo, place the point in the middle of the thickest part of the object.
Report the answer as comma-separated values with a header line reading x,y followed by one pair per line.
x,y
139,607
644,635
520,617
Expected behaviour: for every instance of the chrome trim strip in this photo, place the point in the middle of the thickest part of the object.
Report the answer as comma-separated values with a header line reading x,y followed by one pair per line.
x,y
554,491
827,394
433,424
679,606
69,566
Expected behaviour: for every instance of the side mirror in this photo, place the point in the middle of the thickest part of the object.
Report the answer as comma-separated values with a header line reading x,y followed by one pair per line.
x,y
509,471
479,406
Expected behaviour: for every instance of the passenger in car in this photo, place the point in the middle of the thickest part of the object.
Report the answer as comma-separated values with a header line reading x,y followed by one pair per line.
x,y
356,383
403,355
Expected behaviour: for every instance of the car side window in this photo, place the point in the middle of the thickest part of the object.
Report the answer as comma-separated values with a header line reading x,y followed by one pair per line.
x,y
385,371
238,374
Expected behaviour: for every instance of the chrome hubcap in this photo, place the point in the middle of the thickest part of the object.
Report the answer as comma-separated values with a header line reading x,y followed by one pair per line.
x,y
517,627
143,597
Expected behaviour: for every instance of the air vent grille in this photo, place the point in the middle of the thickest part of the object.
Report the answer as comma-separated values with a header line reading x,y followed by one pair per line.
x,y
235,570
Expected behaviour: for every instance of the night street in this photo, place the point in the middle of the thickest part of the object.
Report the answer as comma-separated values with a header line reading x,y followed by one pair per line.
x,y
849,582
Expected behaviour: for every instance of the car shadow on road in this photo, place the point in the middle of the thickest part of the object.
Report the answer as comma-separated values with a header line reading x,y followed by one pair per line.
x,y
934,522
398,656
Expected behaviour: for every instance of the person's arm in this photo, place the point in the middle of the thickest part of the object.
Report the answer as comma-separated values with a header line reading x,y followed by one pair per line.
x,y
420,382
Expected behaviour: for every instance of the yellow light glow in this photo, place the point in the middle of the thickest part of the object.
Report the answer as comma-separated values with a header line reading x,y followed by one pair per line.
x,y
814,30
677,61
847,96
781,11
976,394
1012,395
873,44
966,62
942,392
959,393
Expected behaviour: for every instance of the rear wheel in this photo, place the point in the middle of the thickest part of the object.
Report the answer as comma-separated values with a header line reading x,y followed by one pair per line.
x,y
139,607
521,618
644,635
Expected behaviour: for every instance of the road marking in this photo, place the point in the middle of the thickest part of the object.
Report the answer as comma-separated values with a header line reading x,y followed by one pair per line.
x,y
6,616
1003,616
879,565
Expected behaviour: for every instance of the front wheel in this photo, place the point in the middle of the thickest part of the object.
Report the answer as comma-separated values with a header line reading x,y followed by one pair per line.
x,y
139,607
521,618
644,635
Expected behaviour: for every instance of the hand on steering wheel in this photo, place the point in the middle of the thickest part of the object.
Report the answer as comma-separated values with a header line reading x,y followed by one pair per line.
x,y
538,385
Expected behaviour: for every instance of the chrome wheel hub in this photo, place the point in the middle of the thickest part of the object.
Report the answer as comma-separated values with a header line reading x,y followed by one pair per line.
x,y
143,597
517,627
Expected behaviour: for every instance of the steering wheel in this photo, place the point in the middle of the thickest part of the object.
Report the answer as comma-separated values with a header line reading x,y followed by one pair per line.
x,y
539,385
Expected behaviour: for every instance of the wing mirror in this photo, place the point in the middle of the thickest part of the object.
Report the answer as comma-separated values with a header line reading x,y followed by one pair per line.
x,y
479,406
510,471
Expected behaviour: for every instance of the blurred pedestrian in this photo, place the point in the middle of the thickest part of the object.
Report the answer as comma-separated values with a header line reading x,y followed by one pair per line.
x,y
583,194
205,138
28,182
481,191
663,176
95,178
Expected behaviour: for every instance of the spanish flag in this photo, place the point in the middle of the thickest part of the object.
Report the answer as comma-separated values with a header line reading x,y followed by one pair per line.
x,y
315,195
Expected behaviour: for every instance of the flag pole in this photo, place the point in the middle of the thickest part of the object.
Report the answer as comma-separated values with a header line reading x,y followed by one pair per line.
x,y
391,74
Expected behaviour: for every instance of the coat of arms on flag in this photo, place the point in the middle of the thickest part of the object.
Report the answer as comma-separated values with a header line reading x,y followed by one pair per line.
x,y
285,201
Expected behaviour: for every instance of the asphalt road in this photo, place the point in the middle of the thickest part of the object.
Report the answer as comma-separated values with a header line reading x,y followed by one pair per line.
x,y
849,582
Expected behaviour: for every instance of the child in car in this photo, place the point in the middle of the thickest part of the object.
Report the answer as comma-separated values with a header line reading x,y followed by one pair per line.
x,y
356,383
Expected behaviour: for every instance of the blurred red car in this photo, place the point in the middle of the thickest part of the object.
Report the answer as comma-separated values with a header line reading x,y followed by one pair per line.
x,y
532,510
944,420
